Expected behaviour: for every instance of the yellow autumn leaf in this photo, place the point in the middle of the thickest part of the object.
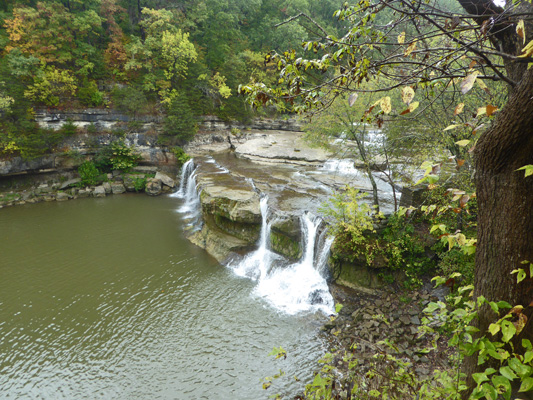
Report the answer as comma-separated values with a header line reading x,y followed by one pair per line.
x,y
482,85
459,109
410,49
401,38
521,30
449,127
407,94
481,111
385,104
468,82
413,106
462,143
528,50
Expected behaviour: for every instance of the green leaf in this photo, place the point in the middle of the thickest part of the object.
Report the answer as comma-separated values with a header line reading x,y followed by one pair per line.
x,y
508,331
528,169
520,369
494,306
508,373
504,304
527,344
480,377
462,143
528,356
319,381
431,178
494,329
527,385
489,391
502,381
495,354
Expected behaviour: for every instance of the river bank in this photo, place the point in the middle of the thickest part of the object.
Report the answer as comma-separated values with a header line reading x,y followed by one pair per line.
x,y
140,179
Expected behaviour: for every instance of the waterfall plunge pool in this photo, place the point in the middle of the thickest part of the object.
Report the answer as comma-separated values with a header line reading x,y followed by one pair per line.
x,y
105,299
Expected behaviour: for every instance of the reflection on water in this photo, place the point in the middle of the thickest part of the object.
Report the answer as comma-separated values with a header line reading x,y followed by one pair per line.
x,y
104,299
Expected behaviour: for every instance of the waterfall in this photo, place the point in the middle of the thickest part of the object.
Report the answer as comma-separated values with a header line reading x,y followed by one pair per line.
x,y
256,264
187,191
186,171
291,288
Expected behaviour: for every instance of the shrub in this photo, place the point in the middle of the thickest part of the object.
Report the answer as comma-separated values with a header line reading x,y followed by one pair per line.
x,y
351,219
180,124
89,174
129,100
400,246
181,156
91,129
89,95
456,260
123,157
139,184
69,128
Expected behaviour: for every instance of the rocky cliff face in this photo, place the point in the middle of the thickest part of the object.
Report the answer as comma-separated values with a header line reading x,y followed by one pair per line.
x,y
76,148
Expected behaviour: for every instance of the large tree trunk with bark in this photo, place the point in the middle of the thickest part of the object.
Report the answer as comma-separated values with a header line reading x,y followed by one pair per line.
x,y
505,219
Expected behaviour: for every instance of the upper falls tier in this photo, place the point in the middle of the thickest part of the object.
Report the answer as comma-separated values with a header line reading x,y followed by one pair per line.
x,y
295,177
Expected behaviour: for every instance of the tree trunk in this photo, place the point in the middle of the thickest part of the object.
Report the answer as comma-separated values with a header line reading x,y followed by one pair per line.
x,y
505,219
375,197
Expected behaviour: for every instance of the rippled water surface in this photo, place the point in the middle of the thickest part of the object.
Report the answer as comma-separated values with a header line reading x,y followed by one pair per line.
x,y
105,299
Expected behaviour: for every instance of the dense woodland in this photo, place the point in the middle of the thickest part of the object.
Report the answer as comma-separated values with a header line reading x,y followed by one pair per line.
x,y
182,58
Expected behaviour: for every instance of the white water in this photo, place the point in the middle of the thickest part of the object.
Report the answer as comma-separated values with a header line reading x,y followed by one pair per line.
x,y
342,167
290,288
187,191
256,264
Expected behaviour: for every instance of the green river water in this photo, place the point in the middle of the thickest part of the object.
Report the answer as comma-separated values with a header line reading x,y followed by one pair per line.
x,y
105,299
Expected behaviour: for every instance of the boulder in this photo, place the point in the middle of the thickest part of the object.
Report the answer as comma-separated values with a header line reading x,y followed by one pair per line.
x,y
237,205
145,169
84,192
153,187
285,235
117,188
165,179
99,191
43,189
61,196
107,187
69,183
217,243
129,183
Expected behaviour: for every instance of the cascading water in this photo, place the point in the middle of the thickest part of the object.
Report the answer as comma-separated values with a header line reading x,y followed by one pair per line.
x,y
186,171
187,191
297,287
288,287
256,264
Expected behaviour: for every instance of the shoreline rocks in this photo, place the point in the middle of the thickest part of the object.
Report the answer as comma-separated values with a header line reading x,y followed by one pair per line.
x,y
70,189
367,320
